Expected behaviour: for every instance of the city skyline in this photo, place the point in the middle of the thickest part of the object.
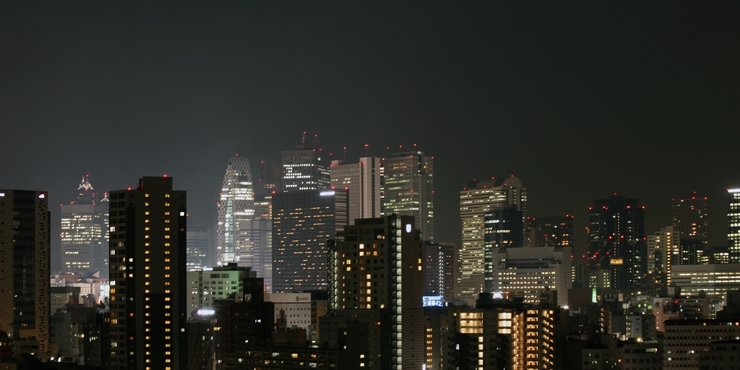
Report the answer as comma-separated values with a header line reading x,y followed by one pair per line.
x,y
488,90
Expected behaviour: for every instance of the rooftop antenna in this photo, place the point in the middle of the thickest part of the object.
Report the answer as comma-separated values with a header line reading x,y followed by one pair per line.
x,y
345,152
366,149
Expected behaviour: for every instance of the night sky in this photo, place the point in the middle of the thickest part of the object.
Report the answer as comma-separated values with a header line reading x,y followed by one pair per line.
x,y
578,100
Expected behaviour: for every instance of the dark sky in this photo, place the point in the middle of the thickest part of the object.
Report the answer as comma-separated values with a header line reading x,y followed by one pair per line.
x,y
578,100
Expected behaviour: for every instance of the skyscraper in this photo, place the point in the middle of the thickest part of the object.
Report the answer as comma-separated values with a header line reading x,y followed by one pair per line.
x,y
408,189
690,217
255,249
663,251
376,266
440,269
302,222
503,229
24,265
362,180
476,200
617,243
199,247
304,168
148,297
733,224
236,205
552,231
85,233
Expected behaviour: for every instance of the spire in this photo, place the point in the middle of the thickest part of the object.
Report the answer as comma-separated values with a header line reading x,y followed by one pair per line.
x,y
85,191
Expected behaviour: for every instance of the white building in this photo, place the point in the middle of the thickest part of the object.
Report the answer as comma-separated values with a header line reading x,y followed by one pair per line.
x,y
205,286
529,272
291,310
715,280
362,179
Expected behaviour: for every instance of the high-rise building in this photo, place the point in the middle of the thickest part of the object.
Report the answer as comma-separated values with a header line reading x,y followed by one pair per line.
x,y
269,181
408,189
733,224
617,251
236,205
302,223
24,266
690,217
376,268
552,231
476,200
440,266
304,168
362,180
200,248
663,252
255,249
148,297
85,233
529,272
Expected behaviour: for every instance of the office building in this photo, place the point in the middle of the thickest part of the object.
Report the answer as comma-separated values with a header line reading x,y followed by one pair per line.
x,y
291,310
207,286
199,248
304,168
733,224
254,243
616,243
503,229
362,180
148,297
663,251
303,221
376,269
236,204
690,217
714,280
84,233
529,272
685,341
269,180
476,200
552,231
408,189
24,266
440,269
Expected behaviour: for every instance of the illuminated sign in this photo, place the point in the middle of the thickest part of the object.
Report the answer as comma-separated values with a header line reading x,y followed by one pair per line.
x,y
616,261
327,193
432,301
408,228
203,312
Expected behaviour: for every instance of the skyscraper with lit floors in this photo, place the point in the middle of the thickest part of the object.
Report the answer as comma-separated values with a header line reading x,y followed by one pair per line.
x,y
408,189
362,180
24,266
148,298
236,204
85,232
733,224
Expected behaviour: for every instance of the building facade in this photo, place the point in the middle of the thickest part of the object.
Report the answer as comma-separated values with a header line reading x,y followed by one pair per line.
x,y
408,189
617,251
304,168
236,204
84,233
476,200
733,224
690,217
376,267
362,180
551,231
148,297
529,272
303,221
440,269
24,266
200,248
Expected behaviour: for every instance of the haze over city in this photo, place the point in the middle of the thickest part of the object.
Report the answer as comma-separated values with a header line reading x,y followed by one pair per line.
x,y
578,100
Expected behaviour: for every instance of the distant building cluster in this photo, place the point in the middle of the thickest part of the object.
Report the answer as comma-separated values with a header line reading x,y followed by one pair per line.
x,y
320,263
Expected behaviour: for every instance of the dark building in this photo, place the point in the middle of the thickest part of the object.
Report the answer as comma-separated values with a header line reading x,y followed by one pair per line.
x,y
733,224
617,243
552,231
148,301
24,266
302,223
376,268
503,228
305,168
440,270
690,217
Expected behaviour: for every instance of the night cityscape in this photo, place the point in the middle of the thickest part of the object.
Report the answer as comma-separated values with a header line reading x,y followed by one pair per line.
x,y
312,185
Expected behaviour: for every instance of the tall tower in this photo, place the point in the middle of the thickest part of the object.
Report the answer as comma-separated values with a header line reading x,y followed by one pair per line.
x,y
690,217
236,205
24,265
552,231
408,189
302,223
148,298
733,224
85,233
362,179
476,200
663,251
200,247
376,267
617,250
304,168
